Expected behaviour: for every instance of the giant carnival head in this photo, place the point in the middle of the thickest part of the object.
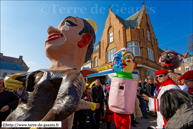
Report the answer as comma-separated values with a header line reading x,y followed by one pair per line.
x,y
74,37
170,60
124,61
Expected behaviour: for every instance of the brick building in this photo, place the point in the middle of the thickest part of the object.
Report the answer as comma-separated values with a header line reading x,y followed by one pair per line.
x,y
12,65
186,65
135,32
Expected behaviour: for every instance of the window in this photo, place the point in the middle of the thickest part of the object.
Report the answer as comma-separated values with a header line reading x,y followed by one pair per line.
x,y
174,70
150,54
188,60
97,47
110,55
95,62
148,36
111,37
134,47
11,73
119,34
191,67
4,74
179,68
186,68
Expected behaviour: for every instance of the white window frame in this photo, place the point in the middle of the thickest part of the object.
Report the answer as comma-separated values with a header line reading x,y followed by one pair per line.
x,y
188,60
110,55
186,68
148,36
150,54
111,37
134,47
191,67
95,62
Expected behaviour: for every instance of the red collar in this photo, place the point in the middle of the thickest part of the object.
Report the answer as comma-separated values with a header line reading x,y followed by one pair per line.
x,y
169,81
190,90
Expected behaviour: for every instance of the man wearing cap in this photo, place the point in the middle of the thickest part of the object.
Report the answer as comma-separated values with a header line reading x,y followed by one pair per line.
x,y
59,91
154,103
188,80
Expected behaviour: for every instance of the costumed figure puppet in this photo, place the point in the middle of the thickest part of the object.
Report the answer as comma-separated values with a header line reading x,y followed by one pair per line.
x,y
171,60
123,88
58,92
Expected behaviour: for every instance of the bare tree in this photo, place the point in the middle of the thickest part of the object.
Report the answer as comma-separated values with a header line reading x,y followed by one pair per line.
x,y
190,42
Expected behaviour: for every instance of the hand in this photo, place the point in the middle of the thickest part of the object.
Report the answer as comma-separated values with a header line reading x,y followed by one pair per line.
x,y
5,108
97,105
145,97
154,96
85,97
11,83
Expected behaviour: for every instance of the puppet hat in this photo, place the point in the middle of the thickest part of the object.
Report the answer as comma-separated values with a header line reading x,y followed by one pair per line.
x,y
161,71
92,23
187,75
125,49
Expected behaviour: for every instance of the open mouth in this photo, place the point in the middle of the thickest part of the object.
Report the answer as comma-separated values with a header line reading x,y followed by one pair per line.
x,y
54,36
124,65
167,64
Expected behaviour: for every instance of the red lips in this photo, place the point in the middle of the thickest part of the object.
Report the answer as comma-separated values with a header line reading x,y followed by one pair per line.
x,y
53,36
168,64
124,65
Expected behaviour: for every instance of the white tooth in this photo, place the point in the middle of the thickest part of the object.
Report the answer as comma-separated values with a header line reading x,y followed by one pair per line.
x,y
56,36
52,36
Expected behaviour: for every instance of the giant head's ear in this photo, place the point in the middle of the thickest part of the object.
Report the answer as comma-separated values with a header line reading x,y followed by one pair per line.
x,y
86,39
135,65
160,60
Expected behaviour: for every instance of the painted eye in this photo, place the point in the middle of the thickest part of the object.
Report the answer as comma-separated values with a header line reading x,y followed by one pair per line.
x,y
128,57
69,23
116,58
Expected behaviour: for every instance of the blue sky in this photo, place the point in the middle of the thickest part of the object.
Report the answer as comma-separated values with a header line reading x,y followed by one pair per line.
x,y
24,23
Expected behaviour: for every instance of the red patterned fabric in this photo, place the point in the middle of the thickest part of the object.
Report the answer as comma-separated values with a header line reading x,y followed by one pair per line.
x,y
122,121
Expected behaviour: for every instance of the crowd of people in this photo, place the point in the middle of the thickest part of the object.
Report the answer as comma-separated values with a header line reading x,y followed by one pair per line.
x,y
161,96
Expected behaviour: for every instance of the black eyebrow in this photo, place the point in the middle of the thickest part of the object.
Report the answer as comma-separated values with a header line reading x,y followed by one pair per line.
x,y
128,52
70,17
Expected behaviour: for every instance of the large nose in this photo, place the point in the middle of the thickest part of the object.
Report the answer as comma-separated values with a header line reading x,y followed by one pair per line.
x,y
51,30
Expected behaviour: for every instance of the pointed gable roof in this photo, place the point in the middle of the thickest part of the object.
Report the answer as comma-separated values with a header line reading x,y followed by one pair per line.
x,y
133,20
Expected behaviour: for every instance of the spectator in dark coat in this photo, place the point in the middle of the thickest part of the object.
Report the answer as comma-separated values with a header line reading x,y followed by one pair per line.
x,y
141,100
144,83
98,97
149,88
8,102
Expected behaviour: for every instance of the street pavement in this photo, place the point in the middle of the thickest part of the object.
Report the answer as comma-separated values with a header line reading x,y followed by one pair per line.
x,y
143,123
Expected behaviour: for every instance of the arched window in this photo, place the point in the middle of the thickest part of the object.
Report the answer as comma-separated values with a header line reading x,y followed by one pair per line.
x,y
110,35
134,47
95,62
150,54
148,33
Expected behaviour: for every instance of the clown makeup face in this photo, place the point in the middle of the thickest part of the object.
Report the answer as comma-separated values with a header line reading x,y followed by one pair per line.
x,y
170,60
123,62
65,37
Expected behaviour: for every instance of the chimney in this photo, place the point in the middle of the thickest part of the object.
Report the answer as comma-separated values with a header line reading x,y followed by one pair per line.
x,y
1,55
20,59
